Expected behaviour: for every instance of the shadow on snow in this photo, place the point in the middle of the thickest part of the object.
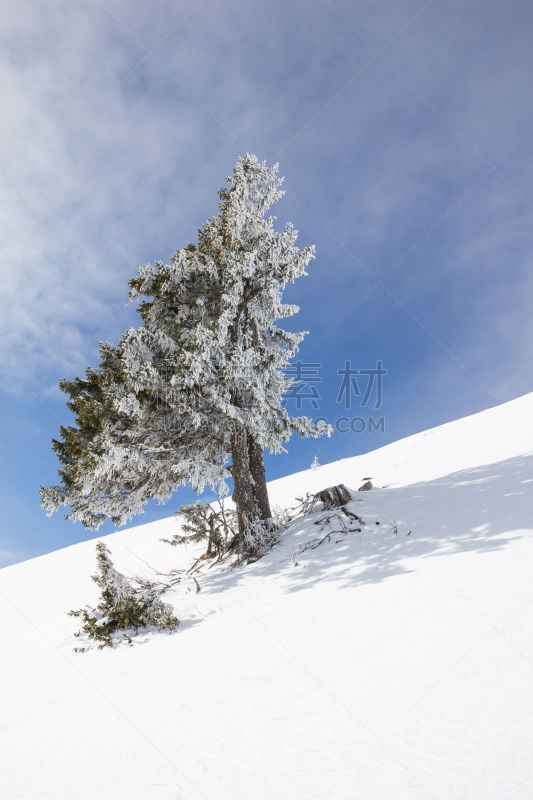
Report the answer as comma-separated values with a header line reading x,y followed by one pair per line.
x,y
478,510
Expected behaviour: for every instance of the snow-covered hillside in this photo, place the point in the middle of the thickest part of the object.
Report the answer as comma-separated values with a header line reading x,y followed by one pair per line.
x,y
394,663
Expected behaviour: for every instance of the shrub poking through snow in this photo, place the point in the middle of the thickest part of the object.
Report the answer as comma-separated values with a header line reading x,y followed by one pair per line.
x,y
126,605
203,522
219,527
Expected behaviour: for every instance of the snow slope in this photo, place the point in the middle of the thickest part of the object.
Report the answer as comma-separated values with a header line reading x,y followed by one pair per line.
x,y
394,663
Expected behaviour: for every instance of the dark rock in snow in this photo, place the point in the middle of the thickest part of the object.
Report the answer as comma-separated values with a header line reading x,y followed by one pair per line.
x,y
334,496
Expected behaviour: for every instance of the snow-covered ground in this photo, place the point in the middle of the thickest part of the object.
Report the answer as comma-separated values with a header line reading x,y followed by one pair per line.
x,y
394,663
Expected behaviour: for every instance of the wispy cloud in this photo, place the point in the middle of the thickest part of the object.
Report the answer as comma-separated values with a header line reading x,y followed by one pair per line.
x,y
88,158
121,120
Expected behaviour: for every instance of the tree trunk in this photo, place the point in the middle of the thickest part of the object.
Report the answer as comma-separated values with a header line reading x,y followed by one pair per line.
x,y
257,471
244,496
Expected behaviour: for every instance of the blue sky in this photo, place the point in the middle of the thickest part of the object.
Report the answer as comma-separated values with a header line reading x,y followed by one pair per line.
x,y
404,131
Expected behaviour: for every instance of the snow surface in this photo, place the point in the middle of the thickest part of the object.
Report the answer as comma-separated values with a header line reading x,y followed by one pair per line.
x,y
395,663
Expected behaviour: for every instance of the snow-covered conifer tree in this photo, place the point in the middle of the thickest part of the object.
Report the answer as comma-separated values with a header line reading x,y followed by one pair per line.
x,y
198,387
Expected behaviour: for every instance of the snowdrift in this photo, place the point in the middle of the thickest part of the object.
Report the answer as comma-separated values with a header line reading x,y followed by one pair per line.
x,y
390,663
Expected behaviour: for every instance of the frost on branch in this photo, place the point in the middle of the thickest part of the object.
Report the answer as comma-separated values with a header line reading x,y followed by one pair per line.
x,y
125,606
257,540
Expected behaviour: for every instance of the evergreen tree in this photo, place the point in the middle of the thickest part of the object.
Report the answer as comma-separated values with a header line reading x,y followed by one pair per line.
x,y
194,394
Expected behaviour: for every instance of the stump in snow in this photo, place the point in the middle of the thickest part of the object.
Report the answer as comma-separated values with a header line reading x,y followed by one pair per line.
x,y
334,496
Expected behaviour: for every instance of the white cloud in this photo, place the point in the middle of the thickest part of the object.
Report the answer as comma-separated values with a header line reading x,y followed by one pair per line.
x,y
87,158
121,120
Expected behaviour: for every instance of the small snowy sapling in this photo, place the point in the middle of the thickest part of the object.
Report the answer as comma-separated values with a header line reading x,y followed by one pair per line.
x,y
204,522
125,606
